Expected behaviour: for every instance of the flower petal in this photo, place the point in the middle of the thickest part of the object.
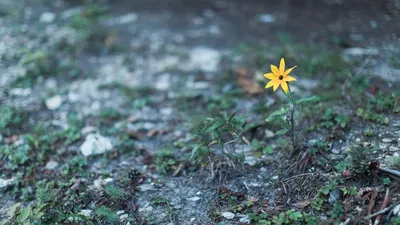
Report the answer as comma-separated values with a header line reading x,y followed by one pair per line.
x,y
289,78
282,66
270,76
284,86
270,84
275,70
289,70
276,85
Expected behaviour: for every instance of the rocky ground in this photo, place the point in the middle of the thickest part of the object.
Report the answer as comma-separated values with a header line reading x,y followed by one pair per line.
x,y
153,112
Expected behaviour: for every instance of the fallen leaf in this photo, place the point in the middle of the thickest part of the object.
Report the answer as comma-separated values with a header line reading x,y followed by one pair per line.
x,y
247,81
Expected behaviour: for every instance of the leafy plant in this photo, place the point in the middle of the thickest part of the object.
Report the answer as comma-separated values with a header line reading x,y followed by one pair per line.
x,y
107,214
165,160
114,192
215,131
10,117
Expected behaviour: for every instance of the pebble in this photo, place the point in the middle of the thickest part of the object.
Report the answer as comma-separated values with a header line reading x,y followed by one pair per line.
x,y
393,149
124,19
245,219
228,215
22,92
95,144
163,82
86,212
194,199
5,183
396,210
87,130
204,58
54,102
266,18
146,187
386,140
47,17
99,183
51,165
269,134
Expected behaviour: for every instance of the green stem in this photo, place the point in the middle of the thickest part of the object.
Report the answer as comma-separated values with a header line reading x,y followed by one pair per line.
x,y
290,96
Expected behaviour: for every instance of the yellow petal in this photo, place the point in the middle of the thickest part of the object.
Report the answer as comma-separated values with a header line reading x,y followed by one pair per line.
x,y
284,86
289,78
270,76
275,70
289,70
282,66
270,84
276,85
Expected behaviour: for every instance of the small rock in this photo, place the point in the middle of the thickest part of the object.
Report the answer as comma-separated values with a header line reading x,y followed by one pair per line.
x,y
204,58
360,51
99,183
22,92
396,210
123,216
393,149
95,144
386,140
54,102
124,19
245,219
87,130
266,18
228,215
194,199
86,212
163,82
146,187
120,212
336,151
71,12
51,165
5,183
269,134
275,177
47,17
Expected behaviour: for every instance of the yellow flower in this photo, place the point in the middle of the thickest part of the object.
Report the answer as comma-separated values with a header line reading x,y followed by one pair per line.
x,y
279,77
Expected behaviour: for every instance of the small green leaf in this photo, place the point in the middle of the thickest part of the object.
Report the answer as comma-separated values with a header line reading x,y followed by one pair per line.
x,y
215,126
11,211
281,132
268,150
24,214
276,114
309,99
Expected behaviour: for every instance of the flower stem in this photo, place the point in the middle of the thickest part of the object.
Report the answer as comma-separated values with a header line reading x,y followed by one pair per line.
x,y
290,96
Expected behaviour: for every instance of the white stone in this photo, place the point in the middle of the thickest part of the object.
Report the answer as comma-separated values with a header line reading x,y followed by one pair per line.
x,y
47,17
120,212
228,215
86,212
95,144
23,92
87,130
146,187
123,216
54,102
124,19
204,58
396,210
99,183
266,18
245,219
360,51
163,82
5,183
386,140
51,165
194,199
71,12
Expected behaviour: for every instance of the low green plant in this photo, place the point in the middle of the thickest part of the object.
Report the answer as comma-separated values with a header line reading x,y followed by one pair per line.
x,y
114,192
215,131
165,161
107,214
10,117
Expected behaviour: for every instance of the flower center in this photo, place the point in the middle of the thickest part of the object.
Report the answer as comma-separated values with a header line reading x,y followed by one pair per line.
x,y
280,77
